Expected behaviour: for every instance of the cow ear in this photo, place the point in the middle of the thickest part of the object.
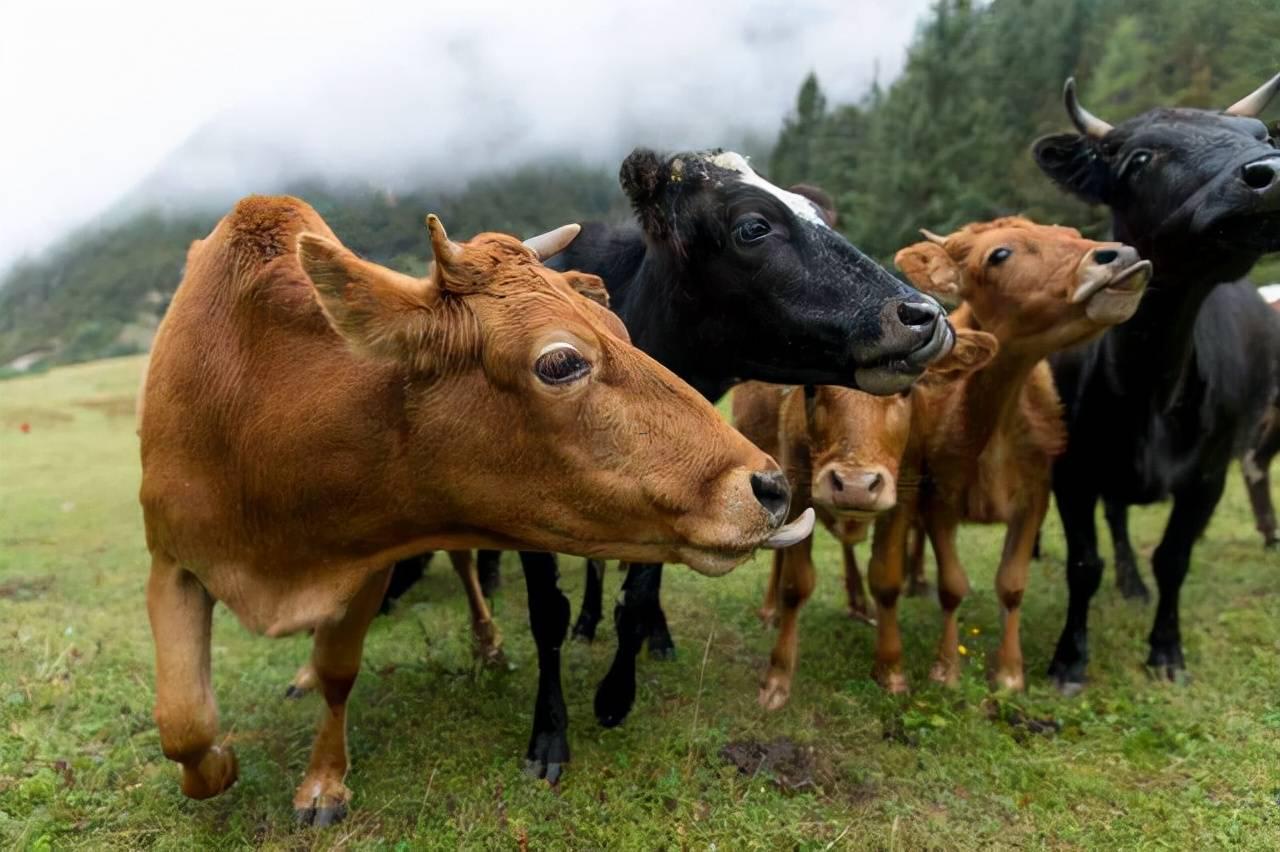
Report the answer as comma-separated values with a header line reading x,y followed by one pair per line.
x,y
821,200
591,286
377,311
644,178
928,266
1073,162
972,351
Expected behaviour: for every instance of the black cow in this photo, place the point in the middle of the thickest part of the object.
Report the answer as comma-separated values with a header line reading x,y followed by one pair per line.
x,y
724,278
1160,405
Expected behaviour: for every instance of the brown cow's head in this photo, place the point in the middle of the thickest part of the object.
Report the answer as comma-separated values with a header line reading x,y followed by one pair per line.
x,y
857,440
526,406
1037,287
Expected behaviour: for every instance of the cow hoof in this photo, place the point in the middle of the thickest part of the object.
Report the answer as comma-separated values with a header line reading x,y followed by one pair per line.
x,y
321,802
614,698
547,756
321,817
893,682
768,617
860,615
945,674
304,681
584,629
1009,681
293,692
549,772
1271,544
488,648
775,692
217,771
1135,590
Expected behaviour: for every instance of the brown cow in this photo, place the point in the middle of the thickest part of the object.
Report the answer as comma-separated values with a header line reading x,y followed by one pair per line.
x,y
841,451
299,397
988,441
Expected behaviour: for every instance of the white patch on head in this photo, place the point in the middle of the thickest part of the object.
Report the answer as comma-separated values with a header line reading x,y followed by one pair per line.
x,y
801,206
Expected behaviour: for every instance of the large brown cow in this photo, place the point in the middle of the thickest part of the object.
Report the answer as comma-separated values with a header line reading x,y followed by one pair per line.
x,y
297,399
989,440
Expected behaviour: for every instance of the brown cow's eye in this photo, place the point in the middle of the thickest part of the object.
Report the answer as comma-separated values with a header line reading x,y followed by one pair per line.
x,y
560,364
999,256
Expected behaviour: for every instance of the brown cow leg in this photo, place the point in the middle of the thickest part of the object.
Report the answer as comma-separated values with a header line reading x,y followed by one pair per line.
x,y
1011,583
885,577
488,639
953,587
858,607
181,614
768,612
795,585
322,796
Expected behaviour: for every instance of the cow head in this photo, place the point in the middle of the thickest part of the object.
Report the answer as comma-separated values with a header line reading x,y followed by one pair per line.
x,y
857,441
780,296
526,407
1194,185
1037,288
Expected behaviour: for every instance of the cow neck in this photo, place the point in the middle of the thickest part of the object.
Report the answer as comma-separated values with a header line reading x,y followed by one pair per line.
x,y
992,394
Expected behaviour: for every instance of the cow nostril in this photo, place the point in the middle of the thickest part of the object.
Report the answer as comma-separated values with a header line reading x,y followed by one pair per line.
x,y
1105,256
875,484
1260,174
773,493
836,482
918,314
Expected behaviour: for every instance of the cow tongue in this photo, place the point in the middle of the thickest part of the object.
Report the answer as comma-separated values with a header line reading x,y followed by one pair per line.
x,y
792,533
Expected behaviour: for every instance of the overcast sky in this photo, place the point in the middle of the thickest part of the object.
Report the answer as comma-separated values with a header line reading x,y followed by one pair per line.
x,y
97,97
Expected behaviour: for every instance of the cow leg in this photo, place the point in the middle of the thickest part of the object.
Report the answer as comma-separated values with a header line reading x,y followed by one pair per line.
x,y
1011,583
768,612
884,575
1192,509
857,606
488,639
953,587
1257,479
1128,580
592,609
632,618
488,570
549,621
181,614
917,582
321,798
1076,504
404,574
795,586
661,645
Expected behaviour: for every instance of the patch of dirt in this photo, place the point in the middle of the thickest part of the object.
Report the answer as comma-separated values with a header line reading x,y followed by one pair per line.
x,y
1019,723
111,406
25,588
34,418
791,766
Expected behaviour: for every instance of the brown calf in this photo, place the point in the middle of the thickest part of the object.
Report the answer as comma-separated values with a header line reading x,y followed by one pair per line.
x,y
987,441
841,450
299,397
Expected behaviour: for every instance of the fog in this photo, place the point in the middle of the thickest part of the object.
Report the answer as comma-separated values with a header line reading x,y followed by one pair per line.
x,y
153,102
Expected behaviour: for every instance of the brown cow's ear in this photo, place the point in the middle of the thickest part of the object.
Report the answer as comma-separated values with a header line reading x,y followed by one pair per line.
x,y
973,350
928,266
591,286
374,309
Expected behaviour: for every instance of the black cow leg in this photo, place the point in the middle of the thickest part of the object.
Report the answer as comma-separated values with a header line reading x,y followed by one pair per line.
x,y
404,574
633,619
1192,509
1076,503
591,611
488,563
661,645
1257,479
1128,580
549,621
1035,548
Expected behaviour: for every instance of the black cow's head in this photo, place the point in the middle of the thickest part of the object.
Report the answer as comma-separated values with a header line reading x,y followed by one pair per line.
x,y
783,296
1179,181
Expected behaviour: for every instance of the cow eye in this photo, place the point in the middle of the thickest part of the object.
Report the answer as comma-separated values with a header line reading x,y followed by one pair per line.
x,y
999,256
560,364
1136,163
751,229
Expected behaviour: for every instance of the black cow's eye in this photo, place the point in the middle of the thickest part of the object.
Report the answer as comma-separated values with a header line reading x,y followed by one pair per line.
x,y
751,229
560,364
1137,162
999,256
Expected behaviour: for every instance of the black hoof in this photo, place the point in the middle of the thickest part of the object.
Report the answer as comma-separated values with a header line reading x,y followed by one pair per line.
x,y
293,693
321,817
1271,544
584,629
549,772
1067,678
1133,589
614,698
1166,663
664,654
547,756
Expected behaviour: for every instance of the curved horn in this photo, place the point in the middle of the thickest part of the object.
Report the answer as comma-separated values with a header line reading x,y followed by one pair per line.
x,y
446,251
1252,105
1085,121
548,245
933,238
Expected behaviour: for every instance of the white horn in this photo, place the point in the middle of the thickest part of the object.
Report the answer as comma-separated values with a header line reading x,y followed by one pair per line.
x,y
1252,105
1085,121
550,244
933,238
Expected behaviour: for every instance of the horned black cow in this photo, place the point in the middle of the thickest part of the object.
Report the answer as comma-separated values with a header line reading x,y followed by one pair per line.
x,y
1159,406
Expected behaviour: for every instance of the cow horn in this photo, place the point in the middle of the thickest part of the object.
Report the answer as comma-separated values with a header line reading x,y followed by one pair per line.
x,y
446,251
933,238
1085,121
550,244
1252,105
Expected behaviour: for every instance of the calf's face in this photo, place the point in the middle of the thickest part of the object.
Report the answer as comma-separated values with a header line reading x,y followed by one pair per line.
x,y
1038,287
527,412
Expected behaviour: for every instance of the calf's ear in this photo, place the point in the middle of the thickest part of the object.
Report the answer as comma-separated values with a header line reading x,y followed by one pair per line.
x,y
973,350
1073,162
376,310
928,266
591,286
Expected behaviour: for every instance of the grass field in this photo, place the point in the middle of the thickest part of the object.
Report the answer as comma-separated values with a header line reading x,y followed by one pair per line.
x,y
437,744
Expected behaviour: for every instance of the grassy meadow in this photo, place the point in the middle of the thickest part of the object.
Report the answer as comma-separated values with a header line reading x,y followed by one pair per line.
x,y
437,744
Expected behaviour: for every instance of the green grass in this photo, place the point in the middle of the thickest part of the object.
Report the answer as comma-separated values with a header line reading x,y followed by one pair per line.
x,y
437,745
